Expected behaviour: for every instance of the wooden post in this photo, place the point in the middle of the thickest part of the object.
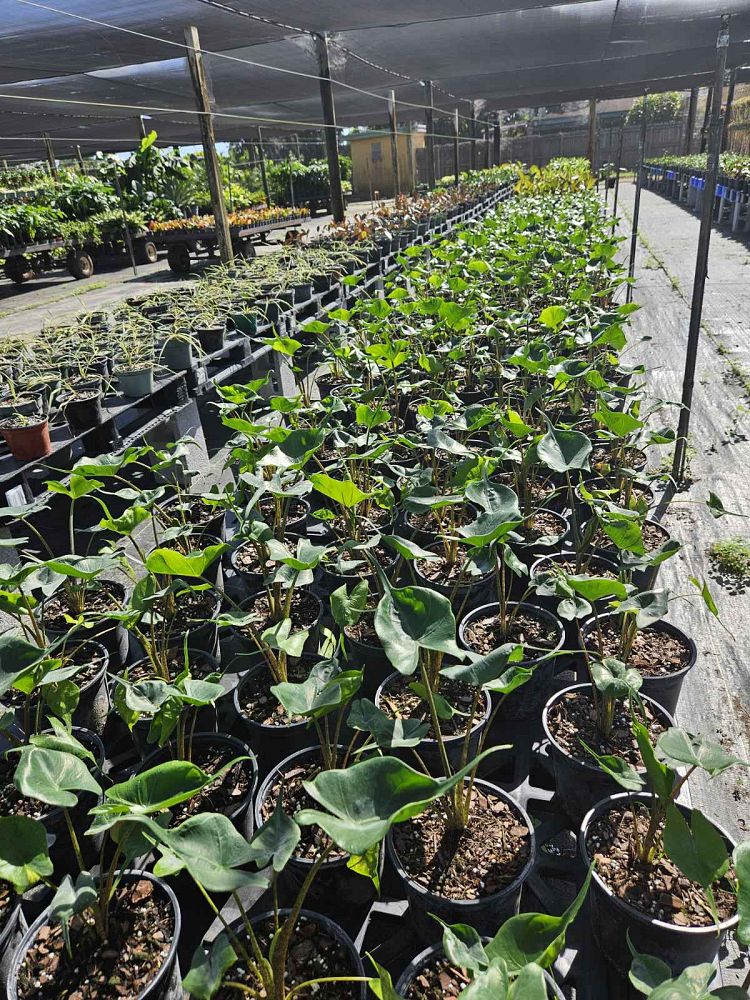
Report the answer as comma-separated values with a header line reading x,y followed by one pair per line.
x,y
706,113
592,134
394,144
79,157
473,136
429,142
690,123
331,132
701,261
456,150
728,112
50,155
208,139
496,141
262,159
142,127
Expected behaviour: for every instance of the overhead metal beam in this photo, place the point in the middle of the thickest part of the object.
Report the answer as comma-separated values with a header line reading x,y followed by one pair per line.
x,y
701,259
338,209
208,140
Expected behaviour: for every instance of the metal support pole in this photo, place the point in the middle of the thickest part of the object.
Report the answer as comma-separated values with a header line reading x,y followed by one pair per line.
x,y
690,123
394,144
125,227
142,130
456,151
331,132
473,160
79,157
637,200
701,260
261,157
496,141
728,113
208,139
606,174
591,153
50,155
290,161
706,113
618,165
429,143
487,149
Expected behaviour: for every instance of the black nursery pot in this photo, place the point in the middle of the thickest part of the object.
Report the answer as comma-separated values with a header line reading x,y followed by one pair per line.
x,y
211,338
84,413
546,544
664,689
112,635
240,814
373,659
434,954
527,701
579,785
10,938
484,915
463,595
428,749
612,920
270,743
166,984
643,579
334,882
311,643
595,566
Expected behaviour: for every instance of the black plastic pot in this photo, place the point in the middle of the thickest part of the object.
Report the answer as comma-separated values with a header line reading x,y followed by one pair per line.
x,y
10,937
580,786
642,579
240,814
303,292
196,542
270,743
372,659
166,984
83,413
434,953
527,701
211,338
311,643
663,688
112,635
484,915
612,919
334,880
594,567
428,749
528,552
214,527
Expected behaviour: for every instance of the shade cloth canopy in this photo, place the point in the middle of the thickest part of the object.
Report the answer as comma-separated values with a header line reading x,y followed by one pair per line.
x,y
89,82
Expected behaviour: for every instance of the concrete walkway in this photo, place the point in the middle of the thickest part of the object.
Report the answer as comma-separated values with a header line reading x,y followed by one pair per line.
x,y
716,695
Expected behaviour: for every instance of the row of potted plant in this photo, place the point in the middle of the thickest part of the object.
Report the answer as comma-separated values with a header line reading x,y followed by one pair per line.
x,y
454,505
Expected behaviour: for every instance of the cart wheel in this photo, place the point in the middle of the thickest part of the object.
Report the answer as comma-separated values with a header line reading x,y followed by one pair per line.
x,y
178,258
18,269
145,251
80,264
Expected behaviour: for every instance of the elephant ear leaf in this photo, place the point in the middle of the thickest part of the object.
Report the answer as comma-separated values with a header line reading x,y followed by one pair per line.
x,y
383,987
53,776
535,937
741,859
208,967
71,899
24,857
275,841
564,451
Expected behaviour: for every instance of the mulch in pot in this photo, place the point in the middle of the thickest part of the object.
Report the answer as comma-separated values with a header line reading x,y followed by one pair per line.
x,y
399,702
200,666
221,796
478,861
572,720
7,904
313,954
659,890
287,784
653,535
140,934
544,524
193,608
485,634
101,597
305,611
445,572
654,653
190,510
257,702
85,654
436,980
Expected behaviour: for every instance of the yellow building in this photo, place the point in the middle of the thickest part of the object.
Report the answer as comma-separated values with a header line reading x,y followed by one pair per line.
x,y
372,163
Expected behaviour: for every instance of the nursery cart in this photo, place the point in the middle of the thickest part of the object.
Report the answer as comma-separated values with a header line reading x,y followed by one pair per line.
x,y
25,261
184,244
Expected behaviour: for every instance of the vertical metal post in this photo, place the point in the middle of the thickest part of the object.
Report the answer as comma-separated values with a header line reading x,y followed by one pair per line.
x,y
637,199
690,123
208,139
79,157
728,113
473,160
262,160
429,143
331,132
591,152
50,155
394,144
706,113
290,162
142,130
487,148
701,259
606,174
125,227
229,182
456,151
496,138
618,165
